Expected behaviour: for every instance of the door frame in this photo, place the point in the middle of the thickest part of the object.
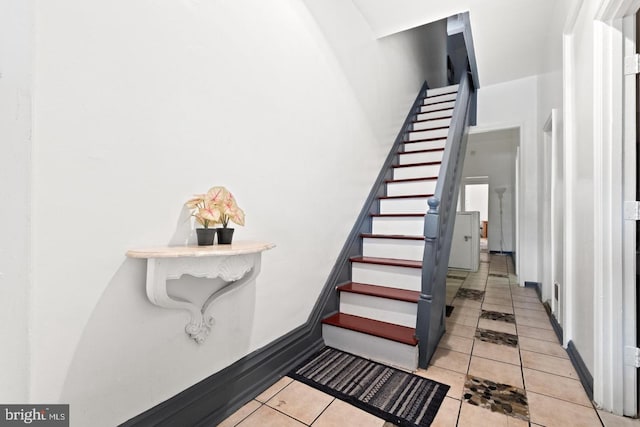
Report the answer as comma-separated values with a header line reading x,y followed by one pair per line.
x,y
615,381
551,139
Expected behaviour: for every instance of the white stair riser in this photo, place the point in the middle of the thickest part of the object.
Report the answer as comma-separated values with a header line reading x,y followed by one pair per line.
x,y
434,115
440,90
428,134
425,145
408,226
393,248
426,157
397,206
382,309
432,124
371,347
387,275
435,107
439,98
416,172
410,188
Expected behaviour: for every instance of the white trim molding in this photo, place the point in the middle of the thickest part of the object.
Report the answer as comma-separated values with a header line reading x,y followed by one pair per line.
x,y
629,309
614,309
570,148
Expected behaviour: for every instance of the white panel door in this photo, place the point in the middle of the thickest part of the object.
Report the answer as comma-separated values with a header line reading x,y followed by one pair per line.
x,y
465,244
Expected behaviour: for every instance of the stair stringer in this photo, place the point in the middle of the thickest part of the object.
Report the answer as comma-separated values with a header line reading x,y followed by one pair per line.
x,y
328,301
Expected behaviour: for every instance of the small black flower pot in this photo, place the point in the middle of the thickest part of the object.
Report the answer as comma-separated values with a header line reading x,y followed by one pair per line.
x,y
225,236
205,236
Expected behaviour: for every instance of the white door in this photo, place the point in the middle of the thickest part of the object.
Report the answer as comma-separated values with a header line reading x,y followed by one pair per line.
x,y
465,244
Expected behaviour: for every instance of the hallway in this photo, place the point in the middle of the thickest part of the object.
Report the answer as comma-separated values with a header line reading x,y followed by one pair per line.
x,y
497,332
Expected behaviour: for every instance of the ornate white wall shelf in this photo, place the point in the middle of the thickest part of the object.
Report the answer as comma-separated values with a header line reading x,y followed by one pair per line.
x,y
237,264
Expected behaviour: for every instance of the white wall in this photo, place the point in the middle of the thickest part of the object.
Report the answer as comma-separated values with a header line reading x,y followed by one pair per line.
x,y
368,62
579,150
492,154
16,30
140,105
508,105
477,199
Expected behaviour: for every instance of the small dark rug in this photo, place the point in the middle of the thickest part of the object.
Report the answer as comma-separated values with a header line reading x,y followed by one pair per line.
x,y
498,315
497,397
494,337
449,310
402,398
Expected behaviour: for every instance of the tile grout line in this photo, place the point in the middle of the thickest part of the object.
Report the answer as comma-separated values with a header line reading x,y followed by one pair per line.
x,y
322,412
250,413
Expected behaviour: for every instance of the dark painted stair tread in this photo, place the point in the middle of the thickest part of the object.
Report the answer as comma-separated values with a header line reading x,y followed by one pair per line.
x,y
435,111
408,165
428,150
391,236
390,331
426,178
440,94
387,261
427,130
425,101
398,215
410,196
425,140
380,291
432,119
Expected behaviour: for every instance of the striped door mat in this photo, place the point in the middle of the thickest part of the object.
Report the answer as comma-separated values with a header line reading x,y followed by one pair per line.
x,y
399,397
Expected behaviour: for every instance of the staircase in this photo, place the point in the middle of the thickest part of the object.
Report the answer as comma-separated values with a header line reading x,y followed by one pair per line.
x,y
378,307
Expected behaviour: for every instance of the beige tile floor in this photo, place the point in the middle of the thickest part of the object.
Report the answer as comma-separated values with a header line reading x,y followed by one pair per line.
x,y
539,365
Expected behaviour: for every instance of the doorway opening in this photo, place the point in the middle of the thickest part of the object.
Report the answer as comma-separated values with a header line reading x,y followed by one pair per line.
x,y
475,197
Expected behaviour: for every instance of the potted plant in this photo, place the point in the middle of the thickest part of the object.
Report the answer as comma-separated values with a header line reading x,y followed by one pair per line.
x,y
218,206
206,214
229,211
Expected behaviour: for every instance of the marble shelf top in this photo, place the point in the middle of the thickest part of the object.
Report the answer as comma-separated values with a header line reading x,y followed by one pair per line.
x,y
236,248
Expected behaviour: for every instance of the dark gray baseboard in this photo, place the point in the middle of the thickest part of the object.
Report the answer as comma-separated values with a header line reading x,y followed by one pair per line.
x,y
581,368
576,360
554,322
213,399
537,286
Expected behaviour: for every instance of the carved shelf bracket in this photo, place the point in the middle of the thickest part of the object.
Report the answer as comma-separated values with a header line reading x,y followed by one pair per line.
x,y
236,264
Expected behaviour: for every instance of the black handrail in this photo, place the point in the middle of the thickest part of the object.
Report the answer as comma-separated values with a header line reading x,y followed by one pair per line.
x,y
438,228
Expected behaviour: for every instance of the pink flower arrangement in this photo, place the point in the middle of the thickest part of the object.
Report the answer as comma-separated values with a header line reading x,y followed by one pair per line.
x,y
217,206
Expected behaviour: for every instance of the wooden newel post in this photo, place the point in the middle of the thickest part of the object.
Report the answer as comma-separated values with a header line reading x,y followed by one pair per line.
x,y
431,220
431,230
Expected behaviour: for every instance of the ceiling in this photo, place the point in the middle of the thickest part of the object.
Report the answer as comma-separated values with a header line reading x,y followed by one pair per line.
x,y
513,38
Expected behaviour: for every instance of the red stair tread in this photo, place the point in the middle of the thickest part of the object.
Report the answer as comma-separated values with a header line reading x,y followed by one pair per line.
x,y
432,119
396,215
380,291
425,140
387,261
434,111
408,165
426,178
397,333
427,130
410,196
435,103
440,94
428,150
391,236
